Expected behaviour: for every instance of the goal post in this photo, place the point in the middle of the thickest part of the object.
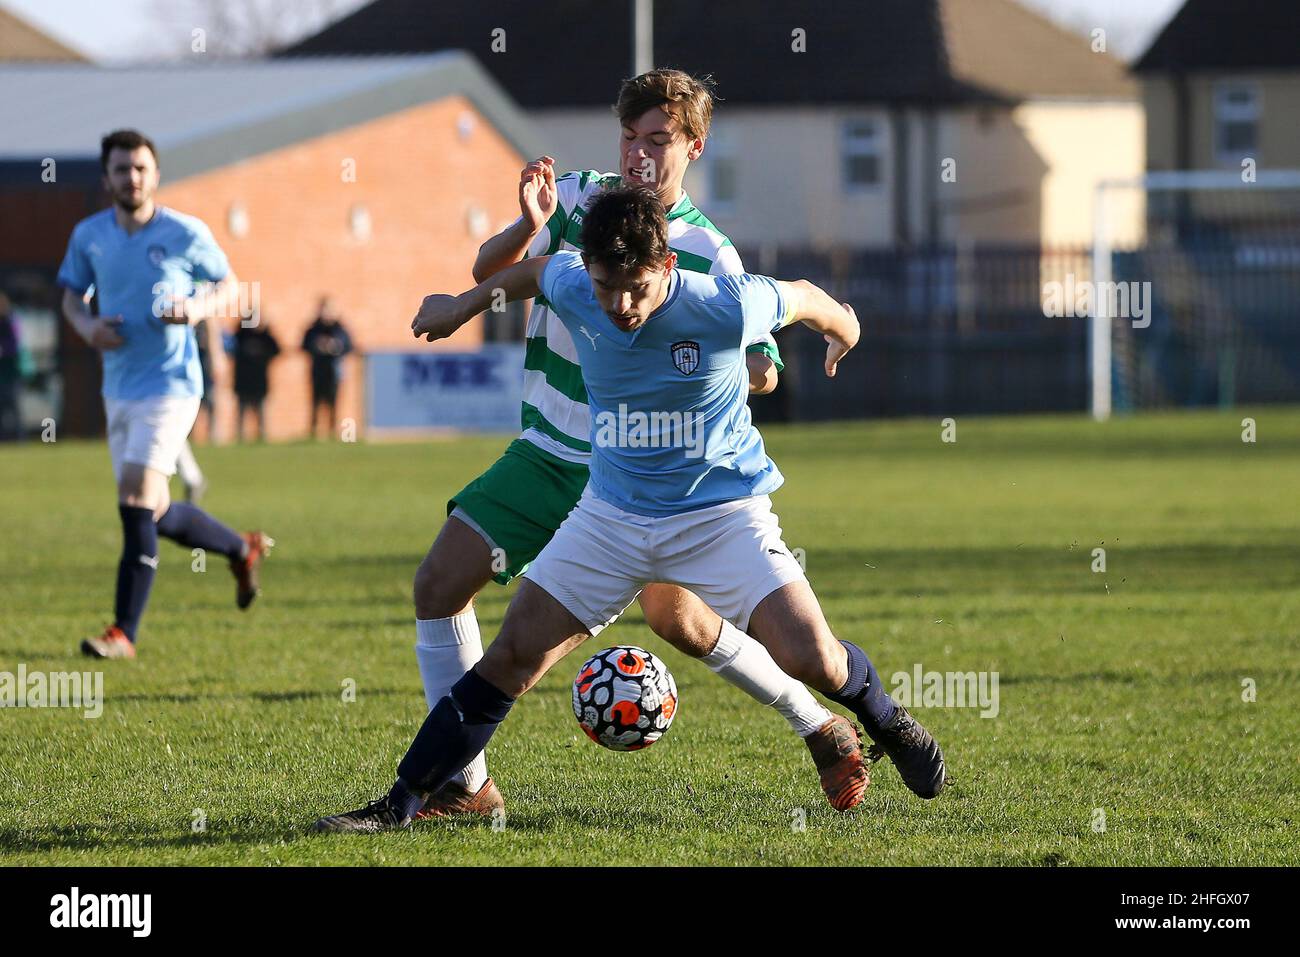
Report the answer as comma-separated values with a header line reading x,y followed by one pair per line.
x,y
1200,227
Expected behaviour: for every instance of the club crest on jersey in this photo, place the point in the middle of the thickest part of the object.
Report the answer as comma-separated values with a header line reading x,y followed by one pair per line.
x,y
157,254
686,356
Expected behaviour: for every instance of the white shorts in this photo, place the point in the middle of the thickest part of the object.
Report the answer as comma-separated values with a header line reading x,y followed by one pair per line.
x,y
730,555
149,432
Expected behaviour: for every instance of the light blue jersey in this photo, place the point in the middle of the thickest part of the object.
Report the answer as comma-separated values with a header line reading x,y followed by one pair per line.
x,y
670,424
166,257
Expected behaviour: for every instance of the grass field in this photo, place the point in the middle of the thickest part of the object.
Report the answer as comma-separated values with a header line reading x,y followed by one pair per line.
x,y
1120,690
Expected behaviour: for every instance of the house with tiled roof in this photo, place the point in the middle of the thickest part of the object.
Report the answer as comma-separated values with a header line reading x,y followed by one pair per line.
x,y
1221,83
868,124
21,41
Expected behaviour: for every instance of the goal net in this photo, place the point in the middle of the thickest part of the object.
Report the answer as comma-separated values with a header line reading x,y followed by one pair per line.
x,y
1205,309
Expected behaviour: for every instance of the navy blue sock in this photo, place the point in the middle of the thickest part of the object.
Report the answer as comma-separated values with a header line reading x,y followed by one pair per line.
x,y
404,799
457,728
864,693
135,570
192,527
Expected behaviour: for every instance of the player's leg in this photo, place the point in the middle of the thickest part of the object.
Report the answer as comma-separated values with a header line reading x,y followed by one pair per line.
x,y
584,578
140,491
790,622
537,632
191,476
496,526
692,627
447,644
747,574
191,527
158,431
684,621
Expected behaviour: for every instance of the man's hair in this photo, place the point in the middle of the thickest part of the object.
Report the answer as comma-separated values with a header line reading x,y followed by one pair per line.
x,y
686,97
124,140
625,230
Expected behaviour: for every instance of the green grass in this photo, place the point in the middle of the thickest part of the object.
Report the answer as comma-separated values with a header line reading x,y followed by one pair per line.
x,y
1120,690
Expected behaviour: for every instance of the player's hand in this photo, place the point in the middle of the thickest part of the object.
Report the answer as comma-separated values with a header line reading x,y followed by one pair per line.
x,y
439,317
106,333
837,347
538,197
176,311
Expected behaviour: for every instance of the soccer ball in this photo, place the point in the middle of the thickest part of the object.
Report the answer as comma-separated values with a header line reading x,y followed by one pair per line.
x,y
624,698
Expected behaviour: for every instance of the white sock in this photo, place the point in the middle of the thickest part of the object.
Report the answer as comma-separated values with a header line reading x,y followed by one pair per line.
x,y
747,665
446,649
188,467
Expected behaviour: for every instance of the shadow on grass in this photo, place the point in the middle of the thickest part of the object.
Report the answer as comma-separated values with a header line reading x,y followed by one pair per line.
x,y
408,561
266,697
1192,679
26,656
126,837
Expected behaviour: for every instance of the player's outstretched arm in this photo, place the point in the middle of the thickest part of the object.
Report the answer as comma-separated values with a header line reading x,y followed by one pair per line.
x,y
538,201
441,315
815,308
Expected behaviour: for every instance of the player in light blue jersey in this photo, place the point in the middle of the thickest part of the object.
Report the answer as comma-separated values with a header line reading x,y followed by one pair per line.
x,y
499,523
673,435
678,491
142,262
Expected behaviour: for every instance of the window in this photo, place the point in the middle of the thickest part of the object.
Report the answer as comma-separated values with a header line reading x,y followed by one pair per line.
x,y
1236,122
724,170
861,151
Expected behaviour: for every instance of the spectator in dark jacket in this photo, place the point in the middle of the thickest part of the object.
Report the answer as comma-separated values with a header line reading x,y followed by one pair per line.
x,y
254,348
327,342
11,371
207,403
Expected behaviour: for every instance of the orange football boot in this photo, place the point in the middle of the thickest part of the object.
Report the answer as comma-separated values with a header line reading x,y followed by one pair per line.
x,y
837,752
245,569
453,799
113,643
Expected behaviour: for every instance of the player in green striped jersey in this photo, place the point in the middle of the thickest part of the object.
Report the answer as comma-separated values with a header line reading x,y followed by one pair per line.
x,y
499,522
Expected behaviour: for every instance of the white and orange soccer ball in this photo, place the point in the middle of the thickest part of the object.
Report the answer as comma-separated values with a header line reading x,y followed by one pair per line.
x,y
624,698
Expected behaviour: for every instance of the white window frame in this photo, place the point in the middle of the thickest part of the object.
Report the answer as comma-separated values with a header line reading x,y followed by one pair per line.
x,y
1228,112
852,146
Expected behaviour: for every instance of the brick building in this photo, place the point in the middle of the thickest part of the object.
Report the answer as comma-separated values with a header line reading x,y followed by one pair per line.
x,y
370,179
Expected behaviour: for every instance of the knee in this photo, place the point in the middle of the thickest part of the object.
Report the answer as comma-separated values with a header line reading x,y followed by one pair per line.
x,y
660,619
508,667
130,491
819,663
429,591
437,595
693,635
684,622
134,496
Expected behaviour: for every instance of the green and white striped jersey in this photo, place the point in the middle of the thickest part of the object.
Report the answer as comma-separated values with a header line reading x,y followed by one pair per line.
x,y
555,415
